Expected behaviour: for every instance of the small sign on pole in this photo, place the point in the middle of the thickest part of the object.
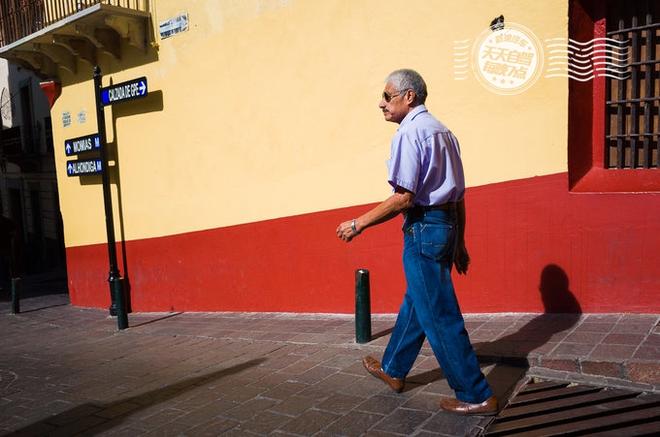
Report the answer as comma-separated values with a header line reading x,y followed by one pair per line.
x,y
87,143
105,96
121,92
84,167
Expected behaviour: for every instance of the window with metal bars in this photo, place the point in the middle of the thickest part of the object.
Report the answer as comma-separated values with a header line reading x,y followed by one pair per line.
x,y
632,127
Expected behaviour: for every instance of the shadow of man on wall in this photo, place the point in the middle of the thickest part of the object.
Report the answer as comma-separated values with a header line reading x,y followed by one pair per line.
x,y
538,335
516,348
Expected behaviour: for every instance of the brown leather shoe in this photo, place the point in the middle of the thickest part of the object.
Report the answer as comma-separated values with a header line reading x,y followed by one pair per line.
x,y
486,408
373,366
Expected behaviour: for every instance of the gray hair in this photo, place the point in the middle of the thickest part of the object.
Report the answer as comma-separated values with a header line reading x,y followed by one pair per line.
x,y
406,79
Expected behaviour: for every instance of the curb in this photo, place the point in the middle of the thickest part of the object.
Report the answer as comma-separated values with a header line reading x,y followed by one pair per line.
x,y
633,374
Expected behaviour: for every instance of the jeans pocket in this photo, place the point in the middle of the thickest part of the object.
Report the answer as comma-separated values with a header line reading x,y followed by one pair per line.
x,y
436,240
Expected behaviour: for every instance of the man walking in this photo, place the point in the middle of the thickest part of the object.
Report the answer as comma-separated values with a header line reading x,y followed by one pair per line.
x,y
426,173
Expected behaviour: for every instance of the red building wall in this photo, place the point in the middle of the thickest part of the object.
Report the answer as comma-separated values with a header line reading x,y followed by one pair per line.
x,y
525,237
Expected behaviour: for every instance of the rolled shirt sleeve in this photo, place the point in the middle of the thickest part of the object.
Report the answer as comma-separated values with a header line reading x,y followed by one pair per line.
x,y
405,163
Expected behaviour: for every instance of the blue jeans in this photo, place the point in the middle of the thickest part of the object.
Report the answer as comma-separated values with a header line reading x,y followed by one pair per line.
x,y
430,309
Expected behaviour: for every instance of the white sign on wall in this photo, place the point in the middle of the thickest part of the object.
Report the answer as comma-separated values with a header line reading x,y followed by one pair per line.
x,y
173,26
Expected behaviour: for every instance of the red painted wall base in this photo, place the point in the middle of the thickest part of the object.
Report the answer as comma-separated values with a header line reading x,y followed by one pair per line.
x,y
535,247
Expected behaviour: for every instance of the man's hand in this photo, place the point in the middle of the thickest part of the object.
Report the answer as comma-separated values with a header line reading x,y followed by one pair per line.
x,y
346,231
461,259
401,200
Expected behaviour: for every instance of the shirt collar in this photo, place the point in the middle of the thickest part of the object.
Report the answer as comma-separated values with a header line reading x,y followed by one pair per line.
x,y
412,114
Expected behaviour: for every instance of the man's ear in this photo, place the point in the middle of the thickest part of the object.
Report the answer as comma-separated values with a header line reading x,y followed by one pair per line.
x,y
411,96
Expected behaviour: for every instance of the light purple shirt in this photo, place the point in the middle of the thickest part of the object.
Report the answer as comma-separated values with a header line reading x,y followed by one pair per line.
x,y
426,159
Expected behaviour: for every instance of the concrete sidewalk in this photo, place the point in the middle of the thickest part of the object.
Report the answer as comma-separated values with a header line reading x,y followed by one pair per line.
x,y
66,370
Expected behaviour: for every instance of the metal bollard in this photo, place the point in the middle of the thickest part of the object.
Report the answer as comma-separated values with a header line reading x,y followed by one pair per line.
x,y
15,295
362,307
117,285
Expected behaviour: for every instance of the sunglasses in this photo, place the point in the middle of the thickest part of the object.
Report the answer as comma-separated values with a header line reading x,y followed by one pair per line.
x,y
387,96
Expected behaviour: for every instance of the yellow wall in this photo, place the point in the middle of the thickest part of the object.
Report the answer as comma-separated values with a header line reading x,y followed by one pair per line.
x,y
270,110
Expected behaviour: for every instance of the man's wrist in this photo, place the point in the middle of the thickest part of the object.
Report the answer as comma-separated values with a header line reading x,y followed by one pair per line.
x,y
354,226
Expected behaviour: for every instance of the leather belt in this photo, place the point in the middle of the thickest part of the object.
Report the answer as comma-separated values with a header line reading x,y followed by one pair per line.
x,y
418,209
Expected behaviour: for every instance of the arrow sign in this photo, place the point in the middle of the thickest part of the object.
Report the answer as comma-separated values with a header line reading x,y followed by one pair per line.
x,y
82,144
83,167
121,92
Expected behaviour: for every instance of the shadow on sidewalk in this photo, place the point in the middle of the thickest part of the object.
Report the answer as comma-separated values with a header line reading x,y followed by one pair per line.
x,y
169,316
44,308
382,333
95,418
562,312
37,291
52,282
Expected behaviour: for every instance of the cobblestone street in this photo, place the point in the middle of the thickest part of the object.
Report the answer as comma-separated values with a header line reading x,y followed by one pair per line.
x,y
66,370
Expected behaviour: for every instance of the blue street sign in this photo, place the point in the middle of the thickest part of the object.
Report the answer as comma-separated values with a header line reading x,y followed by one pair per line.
x,y
74,146
83,167
121,92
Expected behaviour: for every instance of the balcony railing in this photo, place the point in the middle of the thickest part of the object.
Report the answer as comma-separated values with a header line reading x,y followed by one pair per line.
x,y
20,18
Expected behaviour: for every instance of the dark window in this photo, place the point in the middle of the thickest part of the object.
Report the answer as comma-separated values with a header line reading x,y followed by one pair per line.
x,y
27,118
11,141
16,208
613,123
36,214
48,128
632,122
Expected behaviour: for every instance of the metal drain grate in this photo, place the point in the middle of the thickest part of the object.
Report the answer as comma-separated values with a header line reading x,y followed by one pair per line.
x,y
548,408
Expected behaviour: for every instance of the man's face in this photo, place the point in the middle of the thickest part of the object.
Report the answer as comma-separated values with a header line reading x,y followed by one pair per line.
x,y
398,105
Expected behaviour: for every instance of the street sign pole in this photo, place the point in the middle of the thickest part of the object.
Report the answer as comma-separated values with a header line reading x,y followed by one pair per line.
x,y
118,306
